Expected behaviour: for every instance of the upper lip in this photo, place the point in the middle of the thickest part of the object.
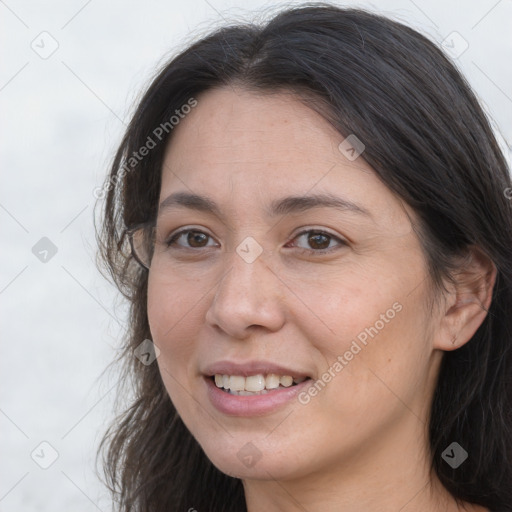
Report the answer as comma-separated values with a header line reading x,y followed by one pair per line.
x,y
250,368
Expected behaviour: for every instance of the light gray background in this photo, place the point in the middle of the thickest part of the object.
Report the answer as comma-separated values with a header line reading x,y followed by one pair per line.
x,y
62,117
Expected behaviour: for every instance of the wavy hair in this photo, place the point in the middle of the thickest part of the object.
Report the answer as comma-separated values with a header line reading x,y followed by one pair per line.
x,y
428,140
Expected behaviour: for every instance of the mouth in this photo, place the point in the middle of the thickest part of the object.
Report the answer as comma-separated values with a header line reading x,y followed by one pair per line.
x,y
235,398
253,388
251,385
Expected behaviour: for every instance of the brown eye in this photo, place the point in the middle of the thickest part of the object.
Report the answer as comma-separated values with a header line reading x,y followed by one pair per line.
x,y
190,239
318,242
196,238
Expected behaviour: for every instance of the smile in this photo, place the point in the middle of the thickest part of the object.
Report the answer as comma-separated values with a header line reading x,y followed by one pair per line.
x,y
254,384
244,403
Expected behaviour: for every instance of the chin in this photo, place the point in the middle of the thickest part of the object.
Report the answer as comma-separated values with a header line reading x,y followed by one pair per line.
x,y
241,457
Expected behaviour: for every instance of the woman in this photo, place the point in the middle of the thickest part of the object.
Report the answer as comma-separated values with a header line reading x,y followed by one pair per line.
x,y
319,277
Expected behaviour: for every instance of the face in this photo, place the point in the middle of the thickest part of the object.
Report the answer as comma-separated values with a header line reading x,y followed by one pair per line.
x,y
264,289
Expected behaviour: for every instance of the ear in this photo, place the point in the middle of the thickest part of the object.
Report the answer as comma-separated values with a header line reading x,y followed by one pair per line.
x,y
467,302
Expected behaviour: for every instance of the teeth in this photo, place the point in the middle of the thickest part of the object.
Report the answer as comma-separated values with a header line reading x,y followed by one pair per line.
x,y
237,383
247,393
254,383
272,381
259,384
286,381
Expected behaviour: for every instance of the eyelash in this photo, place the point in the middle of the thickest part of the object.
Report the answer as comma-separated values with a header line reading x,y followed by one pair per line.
x,y
173,238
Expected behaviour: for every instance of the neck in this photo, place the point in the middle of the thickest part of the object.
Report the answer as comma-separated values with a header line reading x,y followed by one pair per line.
x,y
390,475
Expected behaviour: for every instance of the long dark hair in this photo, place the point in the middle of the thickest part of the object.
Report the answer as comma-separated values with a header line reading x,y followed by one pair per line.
x,y
428,140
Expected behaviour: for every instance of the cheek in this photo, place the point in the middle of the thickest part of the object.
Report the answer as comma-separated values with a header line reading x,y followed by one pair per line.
x,y
338,308
174,320
172,302
377,369
369,332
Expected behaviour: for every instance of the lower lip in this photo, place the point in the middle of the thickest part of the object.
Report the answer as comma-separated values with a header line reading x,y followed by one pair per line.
x,y
256,405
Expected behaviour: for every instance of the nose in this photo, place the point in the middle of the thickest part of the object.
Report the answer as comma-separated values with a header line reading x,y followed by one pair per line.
x,y
248,296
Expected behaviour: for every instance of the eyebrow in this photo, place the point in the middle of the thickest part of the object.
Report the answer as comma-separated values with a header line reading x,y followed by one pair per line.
x,y
278,207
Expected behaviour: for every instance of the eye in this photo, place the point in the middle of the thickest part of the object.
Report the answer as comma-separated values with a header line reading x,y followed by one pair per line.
x,y
192,238
319,241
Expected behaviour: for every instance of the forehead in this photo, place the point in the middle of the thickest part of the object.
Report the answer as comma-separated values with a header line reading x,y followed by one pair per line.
x,y
239,143
238,128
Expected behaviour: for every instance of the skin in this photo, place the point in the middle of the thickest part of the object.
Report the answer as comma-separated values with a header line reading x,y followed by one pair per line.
x,y
361,443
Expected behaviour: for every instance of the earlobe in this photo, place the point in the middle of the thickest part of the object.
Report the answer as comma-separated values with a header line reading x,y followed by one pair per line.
x,y
468,302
